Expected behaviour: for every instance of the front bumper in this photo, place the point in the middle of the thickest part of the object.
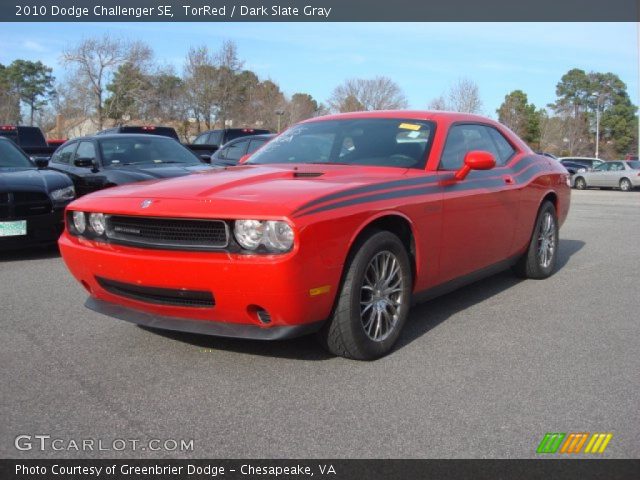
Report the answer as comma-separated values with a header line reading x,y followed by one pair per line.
x,y
41,230
286,286
218,329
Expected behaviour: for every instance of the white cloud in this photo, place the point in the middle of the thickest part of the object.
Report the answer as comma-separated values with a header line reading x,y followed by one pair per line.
x,y
34,46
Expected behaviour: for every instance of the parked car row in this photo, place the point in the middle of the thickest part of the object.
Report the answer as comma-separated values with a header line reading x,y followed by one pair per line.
x,y
622,174
589,172
34,189
205,145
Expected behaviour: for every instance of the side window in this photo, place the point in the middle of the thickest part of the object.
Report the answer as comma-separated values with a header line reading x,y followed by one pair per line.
x,y
215,138
617,166
603,167
235,151
504,148
85,150
64,154
462,139
255,145
201,139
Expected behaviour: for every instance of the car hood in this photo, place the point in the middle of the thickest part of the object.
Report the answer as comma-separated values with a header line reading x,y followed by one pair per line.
x,y
31,179
244,191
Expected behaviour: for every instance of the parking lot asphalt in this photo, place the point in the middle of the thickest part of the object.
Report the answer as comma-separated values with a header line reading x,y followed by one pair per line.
x,y
482,372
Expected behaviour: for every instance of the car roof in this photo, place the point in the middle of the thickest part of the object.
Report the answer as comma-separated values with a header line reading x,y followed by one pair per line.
x,y
106,136
406,114
239,129
581,158
252,137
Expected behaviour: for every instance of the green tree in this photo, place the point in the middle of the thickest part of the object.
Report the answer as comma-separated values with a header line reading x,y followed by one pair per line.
x,y
32,82
582,98
521,116
573,92
167,96
9,100
301,106
128,90
618,122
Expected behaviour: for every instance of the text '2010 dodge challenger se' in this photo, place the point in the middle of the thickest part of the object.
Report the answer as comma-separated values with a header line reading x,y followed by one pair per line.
x,y
336,226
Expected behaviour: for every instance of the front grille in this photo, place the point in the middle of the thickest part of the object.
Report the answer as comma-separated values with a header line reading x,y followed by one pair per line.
x,y
170,233
159,296
31,203
24,204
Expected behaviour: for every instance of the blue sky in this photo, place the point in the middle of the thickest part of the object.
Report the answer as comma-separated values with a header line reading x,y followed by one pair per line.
x,y
423,58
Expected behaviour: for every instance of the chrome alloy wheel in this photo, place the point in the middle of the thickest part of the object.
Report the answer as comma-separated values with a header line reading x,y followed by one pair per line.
x,y
381,296
547,240
625,185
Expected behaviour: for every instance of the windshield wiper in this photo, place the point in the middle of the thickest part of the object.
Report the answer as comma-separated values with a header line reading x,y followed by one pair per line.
x,y
327,163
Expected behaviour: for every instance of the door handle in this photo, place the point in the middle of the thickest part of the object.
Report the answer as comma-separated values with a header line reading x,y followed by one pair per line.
x,y
508,179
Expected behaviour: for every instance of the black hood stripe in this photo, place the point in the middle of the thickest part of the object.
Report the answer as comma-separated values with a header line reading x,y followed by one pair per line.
x,y
430,179
425,190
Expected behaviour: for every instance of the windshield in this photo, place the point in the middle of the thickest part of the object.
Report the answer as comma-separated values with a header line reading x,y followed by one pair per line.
x,y
11,157
635,164
144,150
363,141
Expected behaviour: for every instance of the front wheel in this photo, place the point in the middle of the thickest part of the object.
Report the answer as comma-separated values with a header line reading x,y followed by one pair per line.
x,y
625,185
541,256
374,300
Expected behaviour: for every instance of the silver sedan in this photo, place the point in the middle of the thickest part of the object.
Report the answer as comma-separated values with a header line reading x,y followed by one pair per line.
x,y
622,174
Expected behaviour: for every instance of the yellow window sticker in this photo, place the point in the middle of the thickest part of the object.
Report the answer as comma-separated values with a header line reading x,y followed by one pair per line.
x,y
409,126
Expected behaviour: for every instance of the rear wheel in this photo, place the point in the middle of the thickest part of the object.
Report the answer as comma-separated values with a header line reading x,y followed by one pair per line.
x,y
540,258
580,183
625,185
374,300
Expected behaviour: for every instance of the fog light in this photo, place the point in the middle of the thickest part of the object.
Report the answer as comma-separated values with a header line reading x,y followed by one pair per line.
x,y
264,316
79,222
96,221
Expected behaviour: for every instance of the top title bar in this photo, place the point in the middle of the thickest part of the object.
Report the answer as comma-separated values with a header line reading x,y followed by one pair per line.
x,y
319,11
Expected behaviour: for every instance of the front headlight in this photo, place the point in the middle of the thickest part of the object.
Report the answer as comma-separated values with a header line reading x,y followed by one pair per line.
x,y
64,194
274,235
79,222
96,222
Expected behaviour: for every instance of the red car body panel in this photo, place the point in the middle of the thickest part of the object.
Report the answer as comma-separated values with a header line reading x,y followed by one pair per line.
x,y
458,228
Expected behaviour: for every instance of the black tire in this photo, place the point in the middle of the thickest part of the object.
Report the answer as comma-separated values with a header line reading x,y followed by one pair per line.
x,y
580,183
625,185
532,264
344,333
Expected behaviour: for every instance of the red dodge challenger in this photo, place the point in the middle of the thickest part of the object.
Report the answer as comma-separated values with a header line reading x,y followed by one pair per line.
x,y
336,226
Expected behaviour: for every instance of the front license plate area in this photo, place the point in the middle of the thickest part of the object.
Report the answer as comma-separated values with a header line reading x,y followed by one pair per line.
x,y
13,229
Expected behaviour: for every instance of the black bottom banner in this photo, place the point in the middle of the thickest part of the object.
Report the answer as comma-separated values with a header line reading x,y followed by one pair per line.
x,y
320,469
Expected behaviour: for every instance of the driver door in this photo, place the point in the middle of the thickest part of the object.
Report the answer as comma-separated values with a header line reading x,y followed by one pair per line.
x,y
480,212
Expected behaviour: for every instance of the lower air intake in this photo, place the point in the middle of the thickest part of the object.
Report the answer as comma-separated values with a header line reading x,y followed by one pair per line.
x,y
159,296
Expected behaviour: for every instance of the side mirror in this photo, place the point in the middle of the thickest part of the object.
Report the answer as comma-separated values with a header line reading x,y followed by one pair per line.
x,y
475,160
244,158
41,162
205,158
83,162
